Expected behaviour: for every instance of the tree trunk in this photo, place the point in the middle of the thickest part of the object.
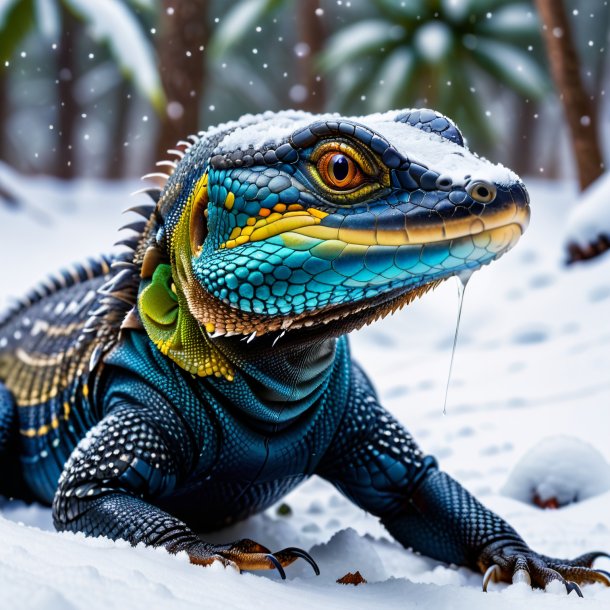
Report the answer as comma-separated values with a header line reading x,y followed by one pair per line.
x,y
4,114
115,167
565,68
312,35
68,109
184,34
522,156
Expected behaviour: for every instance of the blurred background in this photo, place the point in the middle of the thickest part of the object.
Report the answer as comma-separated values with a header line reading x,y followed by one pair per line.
x,y
101,89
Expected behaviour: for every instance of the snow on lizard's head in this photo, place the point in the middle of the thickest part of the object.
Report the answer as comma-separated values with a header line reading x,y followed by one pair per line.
x,y
290,220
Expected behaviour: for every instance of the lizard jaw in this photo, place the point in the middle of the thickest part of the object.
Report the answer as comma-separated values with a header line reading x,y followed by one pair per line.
x,y
221,319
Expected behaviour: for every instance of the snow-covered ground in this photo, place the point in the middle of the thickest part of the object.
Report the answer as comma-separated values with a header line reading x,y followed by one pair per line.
x,y
533,361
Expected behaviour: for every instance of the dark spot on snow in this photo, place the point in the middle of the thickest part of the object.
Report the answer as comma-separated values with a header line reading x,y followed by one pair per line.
x,y
530,335
442,452
599,293
515,367
570,328
529,256
382,339
397,391
541,281
447,342
516,402
496,449
284,510
514,295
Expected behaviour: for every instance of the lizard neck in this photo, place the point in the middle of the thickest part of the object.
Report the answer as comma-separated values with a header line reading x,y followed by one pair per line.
x,y
287,372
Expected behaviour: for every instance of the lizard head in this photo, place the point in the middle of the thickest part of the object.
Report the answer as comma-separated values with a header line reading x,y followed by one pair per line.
x,y
290,220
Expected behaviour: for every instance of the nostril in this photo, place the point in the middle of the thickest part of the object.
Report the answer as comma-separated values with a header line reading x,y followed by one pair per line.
x,y
482,191
444,183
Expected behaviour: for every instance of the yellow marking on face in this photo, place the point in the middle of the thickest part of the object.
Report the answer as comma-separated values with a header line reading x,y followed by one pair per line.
x,y
317,213
273,224
414,234
282,225
229,201
85,390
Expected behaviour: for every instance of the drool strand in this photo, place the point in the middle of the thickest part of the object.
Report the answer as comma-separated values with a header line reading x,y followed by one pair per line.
x,y
462,280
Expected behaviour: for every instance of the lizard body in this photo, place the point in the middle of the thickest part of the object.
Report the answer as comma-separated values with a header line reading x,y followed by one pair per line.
x,y
198,378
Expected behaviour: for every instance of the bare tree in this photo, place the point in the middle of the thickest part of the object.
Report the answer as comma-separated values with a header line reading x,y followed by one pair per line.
x,y
184,35
565,68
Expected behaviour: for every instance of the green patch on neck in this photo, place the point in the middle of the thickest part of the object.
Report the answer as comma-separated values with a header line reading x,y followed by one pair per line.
x,y
172,328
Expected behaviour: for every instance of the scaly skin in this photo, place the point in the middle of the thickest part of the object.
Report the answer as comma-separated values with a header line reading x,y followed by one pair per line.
x,y
199,378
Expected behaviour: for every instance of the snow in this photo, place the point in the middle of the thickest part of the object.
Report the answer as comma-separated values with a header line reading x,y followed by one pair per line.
x,y
590,219
531,363
561,469
427,149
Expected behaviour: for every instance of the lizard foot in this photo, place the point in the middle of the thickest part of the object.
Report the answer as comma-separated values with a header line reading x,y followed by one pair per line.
x,y
246,554
521,564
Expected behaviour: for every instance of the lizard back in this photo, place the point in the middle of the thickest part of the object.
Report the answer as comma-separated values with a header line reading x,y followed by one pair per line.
x,y
46,353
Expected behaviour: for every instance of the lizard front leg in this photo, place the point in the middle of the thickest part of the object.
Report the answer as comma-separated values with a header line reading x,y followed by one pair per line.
x,y
376,463
113,477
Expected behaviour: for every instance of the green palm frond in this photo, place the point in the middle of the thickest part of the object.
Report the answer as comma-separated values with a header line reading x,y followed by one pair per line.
x,y
110,22
431,50
238,20
16,20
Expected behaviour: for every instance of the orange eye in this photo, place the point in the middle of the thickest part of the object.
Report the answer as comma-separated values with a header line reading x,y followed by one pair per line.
x,y
339,171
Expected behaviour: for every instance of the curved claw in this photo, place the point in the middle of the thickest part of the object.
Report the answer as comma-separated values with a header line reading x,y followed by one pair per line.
x,y
292,550
489,575
588,558
522,575
277,564
604,573
572,586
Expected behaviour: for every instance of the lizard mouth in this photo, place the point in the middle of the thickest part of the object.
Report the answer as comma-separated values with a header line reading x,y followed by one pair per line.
x,y
344,318
468,252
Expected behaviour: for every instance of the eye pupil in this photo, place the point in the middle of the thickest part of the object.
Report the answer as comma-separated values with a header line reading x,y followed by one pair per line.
x,y
340,167
483,192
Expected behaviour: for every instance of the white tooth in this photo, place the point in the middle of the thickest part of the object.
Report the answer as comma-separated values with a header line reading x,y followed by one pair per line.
x,y
278,338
